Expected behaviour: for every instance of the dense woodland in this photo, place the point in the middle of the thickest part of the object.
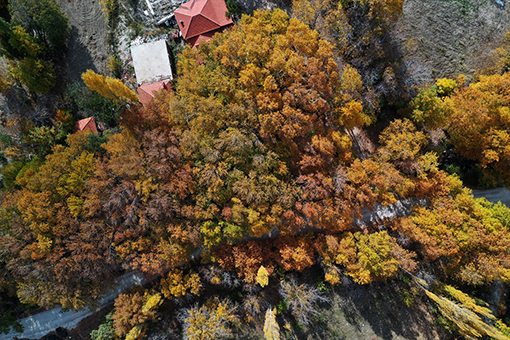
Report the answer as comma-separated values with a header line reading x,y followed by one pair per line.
x,y
249,172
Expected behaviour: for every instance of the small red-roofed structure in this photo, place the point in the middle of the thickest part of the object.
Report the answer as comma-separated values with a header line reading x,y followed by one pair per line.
x,y
199,20
87,124
146,92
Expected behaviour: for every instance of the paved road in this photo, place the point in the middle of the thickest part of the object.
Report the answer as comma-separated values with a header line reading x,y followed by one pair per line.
x,y
494,195
37,326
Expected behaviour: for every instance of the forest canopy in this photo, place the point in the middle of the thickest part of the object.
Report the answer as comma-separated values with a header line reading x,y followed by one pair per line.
x,y
250,168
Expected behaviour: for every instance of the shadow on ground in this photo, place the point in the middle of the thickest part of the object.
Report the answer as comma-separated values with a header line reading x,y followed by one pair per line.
x,y
374,312
79,59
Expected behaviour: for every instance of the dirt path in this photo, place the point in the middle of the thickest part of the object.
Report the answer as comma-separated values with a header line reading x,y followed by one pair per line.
x,y
88,47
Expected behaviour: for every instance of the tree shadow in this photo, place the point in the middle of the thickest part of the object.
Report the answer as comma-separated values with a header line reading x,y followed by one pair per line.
x,y
381,306
78,58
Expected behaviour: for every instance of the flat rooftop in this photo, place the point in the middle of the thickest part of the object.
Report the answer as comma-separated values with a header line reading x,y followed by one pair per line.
x,y
152,62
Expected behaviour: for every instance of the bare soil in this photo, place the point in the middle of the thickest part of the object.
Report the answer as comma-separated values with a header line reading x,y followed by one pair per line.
x,y
451,37
88,46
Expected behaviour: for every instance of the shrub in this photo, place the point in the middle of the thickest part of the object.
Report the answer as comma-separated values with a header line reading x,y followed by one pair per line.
x,y
302,299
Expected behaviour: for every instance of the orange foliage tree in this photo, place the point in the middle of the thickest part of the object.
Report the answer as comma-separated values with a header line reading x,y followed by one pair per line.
x,y
478,126
55,255
466,237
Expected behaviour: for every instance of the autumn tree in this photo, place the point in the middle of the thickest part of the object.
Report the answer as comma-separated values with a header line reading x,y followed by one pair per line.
x,y
500,57
363,33
463,236
432,107
254,304
212,320
466,313
246,258
177,284
109,87
133,309
261,137
296,253
54,256
310,11
366,258
271,328
478,124
400,141
403,145
262,277
140,188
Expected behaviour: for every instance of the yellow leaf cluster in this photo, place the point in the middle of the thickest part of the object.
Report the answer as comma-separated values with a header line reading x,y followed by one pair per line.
x,y
466,315
108,87
176,284
262,277
153,302
271,327
210,321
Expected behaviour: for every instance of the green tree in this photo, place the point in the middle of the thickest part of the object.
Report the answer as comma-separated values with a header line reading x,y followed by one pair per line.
x,y
431,108
36,74
45,19
23,52
105,331
16,43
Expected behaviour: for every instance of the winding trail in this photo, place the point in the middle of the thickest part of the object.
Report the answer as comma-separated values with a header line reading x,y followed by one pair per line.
x,y
36,326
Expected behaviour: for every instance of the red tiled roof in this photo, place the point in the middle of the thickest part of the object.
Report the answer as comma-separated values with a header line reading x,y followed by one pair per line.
x,y
146,92
195,41
86,124
197,17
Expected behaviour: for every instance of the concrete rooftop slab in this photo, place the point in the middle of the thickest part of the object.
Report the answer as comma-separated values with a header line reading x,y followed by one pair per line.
x,y
151,62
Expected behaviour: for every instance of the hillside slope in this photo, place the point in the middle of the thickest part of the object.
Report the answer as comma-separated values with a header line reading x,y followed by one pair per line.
x,y
451,37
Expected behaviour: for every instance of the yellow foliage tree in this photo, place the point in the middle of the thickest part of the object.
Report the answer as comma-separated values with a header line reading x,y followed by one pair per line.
x,y
271,328
478,125
466,314
108,87
177,284
366,258
262,277
132,310
210,321
134,333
